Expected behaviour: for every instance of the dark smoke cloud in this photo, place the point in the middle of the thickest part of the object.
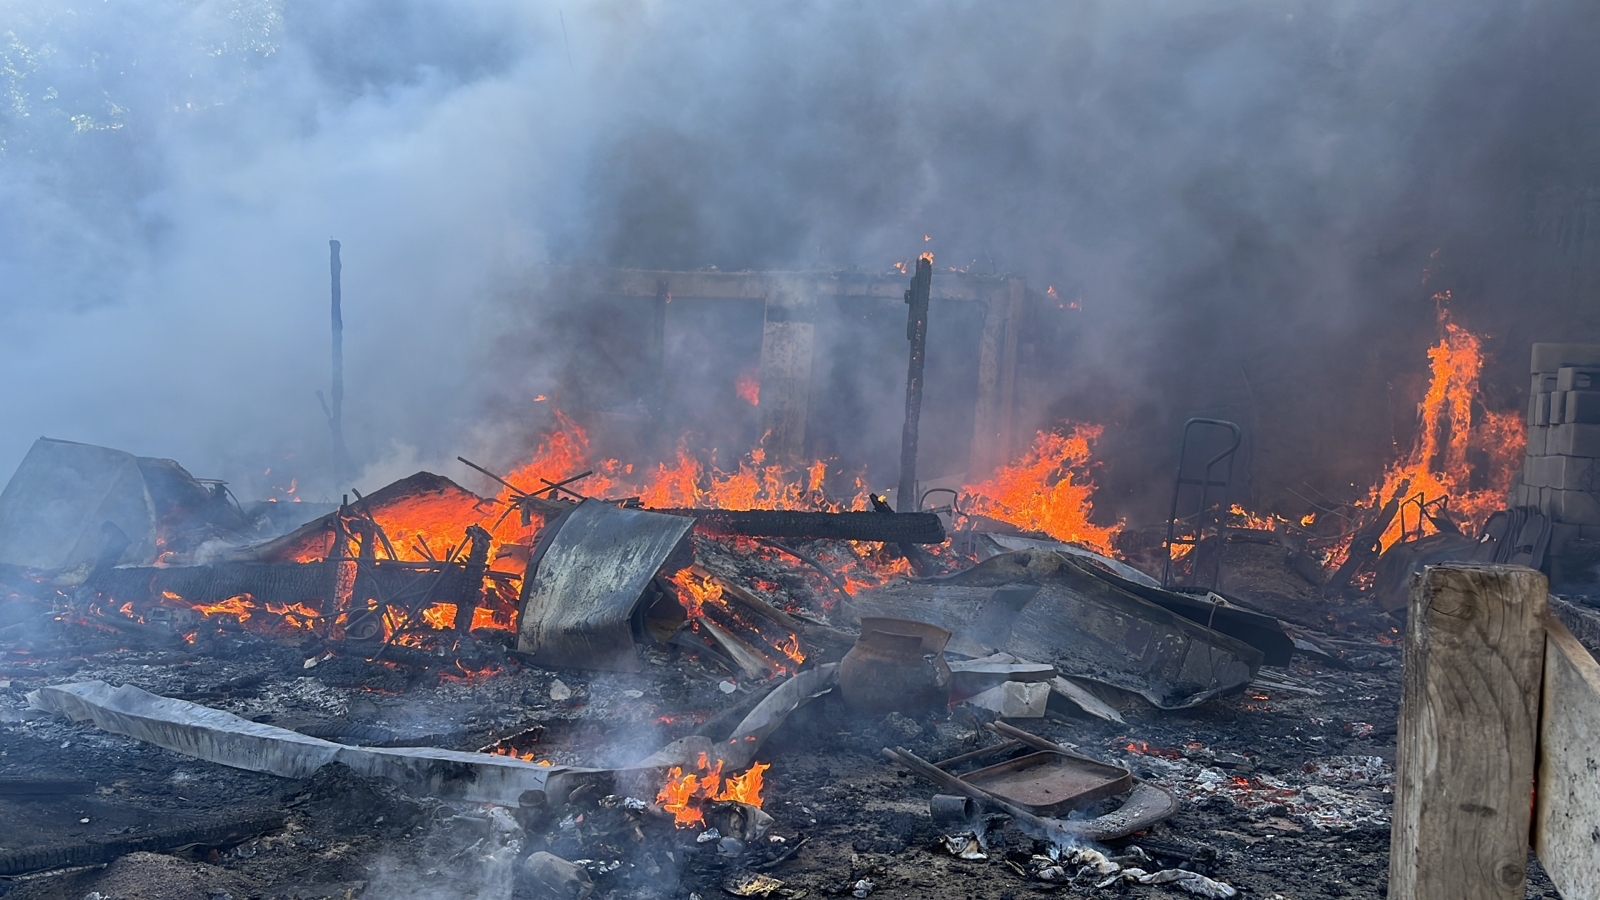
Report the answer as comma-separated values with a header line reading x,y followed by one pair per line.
x,y
1246,196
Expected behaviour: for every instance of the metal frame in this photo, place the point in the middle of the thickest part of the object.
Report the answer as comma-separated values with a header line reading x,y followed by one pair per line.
x,y
1205,482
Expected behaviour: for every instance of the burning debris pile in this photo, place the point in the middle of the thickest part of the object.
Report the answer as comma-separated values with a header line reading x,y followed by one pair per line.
x,y
687,679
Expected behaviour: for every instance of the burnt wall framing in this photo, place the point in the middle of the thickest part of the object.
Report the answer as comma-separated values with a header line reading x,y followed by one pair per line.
x,y
789,301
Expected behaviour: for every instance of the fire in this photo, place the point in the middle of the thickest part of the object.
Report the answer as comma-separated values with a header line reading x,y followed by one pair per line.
x,y
1448,431
748,386
684,793
239,606
694,592
676,795
1048,490
745,788
683,482
704,597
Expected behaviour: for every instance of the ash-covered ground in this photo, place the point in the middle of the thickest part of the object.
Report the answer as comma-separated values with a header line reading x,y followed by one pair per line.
x,y
1286,788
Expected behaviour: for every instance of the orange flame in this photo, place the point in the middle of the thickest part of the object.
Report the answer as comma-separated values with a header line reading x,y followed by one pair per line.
x,y
683,793
745,788
676,795
1048,490
1447,431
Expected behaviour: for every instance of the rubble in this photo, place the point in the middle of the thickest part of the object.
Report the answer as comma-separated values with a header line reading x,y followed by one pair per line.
x,y
663,702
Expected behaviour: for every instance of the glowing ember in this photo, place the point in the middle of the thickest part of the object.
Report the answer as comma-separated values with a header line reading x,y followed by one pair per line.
x,y
1047,490
239,607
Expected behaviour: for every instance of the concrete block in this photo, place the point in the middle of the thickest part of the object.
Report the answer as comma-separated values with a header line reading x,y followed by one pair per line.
x,y
1552,357
1574,507
1519,495
1582,407
1537,435
1573,440
1543,383
1558,407
1572,473
1541,409
1536,470
1572,378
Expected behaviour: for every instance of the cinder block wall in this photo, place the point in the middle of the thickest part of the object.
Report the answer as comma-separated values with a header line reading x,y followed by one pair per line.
x,y
1561,476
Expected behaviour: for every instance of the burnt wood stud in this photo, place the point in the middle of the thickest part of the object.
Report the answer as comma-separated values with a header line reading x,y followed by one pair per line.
x,y
906,499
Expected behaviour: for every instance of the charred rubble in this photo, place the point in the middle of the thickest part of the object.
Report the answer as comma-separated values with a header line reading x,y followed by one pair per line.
x,y
424,692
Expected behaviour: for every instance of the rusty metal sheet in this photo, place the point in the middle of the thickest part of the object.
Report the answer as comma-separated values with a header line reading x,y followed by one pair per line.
x,y
579,601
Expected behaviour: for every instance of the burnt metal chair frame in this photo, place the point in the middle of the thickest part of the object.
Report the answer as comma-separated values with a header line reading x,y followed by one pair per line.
x,y
1205,483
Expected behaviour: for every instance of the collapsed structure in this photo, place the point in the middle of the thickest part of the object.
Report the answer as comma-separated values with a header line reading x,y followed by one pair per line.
x,y
912,640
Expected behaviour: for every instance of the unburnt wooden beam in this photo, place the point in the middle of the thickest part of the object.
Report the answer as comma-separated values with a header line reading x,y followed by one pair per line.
x,y
1566,831
1474,655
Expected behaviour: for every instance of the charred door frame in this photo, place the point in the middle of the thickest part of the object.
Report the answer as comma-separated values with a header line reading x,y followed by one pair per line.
x,y
789,299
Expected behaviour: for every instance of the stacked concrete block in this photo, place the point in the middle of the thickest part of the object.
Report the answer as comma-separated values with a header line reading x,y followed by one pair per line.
x,y
1561,476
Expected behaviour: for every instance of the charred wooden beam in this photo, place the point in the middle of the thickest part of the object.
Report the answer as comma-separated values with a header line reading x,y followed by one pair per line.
x,y
906,499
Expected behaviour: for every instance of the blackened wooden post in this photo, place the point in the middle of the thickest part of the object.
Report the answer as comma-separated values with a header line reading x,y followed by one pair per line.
x,y
471,594
342,462
1474,655
917,332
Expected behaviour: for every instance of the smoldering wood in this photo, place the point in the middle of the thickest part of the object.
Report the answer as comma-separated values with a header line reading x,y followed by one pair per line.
x,y
1365,546
309,583
913,528
1464,770
470,594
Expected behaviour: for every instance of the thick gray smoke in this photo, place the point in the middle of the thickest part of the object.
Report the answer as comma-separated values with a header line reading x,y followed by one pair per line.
x,y
1245,197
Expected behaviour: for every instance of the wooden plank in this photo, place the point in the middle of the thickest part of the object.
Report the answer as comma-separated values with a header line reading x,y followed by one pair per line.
x,y
1566,833
986,428
787,338
1006,426
1474,657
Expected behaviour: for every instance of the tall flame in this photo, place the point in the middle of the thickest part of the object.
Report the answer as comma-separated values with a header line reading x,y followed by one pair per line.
x,y
1449,428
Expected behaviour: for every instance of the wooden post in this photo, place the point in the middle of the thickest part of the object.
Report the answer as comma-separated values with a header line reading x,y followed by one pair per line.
x,y
786,348
906,499
997,381
344,467
656,352
1474,654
